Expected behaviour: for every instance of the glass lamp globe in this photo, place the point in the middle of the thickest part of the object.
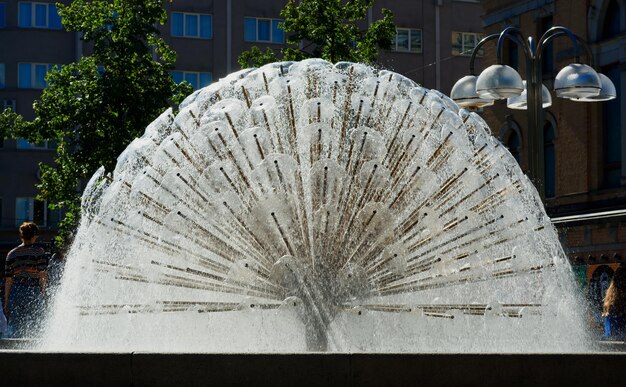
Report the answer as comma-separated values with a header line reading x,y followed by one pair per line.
x,y
499,82
520,102
607,92
577,80
464,94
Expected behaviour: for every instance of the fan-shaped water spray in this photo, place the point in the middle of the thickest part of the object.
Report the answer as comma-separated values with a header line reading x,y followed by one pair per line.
x,y
306,206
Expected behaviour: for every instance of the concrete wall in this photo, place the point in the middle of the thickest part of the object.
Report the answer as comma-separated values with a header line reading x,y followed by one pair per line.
x,y
37,369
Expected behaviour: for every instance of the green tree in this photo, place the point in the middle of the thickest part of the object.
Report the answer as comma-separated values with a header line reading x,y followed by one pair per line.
x,y
331,28
95,107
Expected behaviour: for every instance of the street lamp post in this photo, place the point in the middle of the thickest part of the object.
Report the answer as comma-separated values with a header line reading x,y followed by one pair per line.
x,y
577,81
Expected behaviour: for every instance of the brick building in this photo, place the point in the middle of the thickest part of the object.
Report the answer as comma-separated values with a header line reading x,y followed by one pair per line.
x,y
432,46
584,143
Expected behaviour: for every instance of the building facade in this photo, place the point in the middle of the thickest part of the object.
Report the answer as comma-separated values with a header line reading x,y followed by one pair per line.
x,y
432,46
584,143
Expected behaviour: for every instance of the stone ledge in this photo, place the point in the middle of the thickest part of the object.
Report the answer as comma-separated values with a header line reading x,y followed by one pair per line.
x,y
29,368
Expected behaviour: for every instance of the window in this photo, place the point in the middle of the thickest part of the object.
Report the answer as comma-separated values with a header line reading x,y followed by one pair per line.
x,y
408,40
464,42
3,12
2,80
9,103
197,80
549,159
513,144
24,144
612,26
39,15
192,25
547,63
612,132
37,211
511,137
512,54
32,75
263,30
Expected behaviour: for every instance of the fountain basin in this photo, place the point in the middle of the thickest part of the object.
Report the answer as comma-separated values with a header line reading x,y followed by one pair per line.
x,y
315,369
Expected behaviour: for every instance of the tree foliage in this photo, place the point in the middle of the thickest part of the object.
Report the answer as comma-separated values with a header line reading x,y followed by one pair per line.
x,y
328,29
94,107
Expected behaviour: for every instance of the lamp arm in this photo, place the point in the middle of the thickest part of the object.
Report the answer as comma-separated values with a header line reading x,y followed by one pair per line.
x,y
492,37
514,34
557,31
477,48
592,59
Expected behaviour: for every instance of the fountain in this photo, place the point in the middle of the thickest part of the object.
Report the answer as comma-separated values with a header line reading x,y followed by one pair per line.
x,y
315,207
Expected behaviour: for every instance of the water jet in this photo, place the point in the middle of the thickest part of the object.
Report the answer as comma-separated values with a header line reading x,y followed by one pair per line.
x,y
316,207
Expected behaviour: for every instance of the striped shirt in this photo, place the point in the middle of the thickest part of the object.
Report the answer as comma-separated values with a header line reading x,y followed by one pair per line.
x,y
26,262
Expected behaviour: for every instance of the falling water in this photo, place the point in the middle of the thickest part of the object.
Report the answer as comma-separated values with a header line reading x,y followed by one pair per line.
x,y
311,207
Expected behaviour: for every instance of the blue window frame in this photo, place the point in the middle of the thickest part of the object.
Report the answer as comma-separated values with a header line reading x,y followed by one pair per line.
x,y
205,79
263,30
178,76
278,34
249,29
197,80
25,144
3,12
192,79
192,25
39,15
32,75
2,79
177,24
54,20
26,14
24,76
206,26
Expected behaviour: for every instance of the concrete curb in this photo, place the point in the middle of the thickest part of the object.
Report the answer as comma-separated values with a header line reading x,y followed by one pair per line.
x,y
29,368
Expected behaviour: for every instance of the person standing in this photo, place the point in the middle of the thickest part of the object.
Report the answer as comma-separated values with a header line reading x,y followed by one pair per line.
x,y
3,321
25,283
614,310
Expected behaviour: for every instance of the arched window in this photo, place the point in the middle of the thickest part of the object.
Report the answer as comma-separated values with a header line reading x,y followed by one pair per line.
x,y
549,158
547,64
611,26
512,54
612,125
605,19
514,144
511,137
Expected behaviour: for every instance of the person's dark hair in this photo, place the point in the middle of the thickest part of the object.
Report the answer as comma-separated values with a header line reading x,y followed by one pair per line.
x,y
615,299
28,230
